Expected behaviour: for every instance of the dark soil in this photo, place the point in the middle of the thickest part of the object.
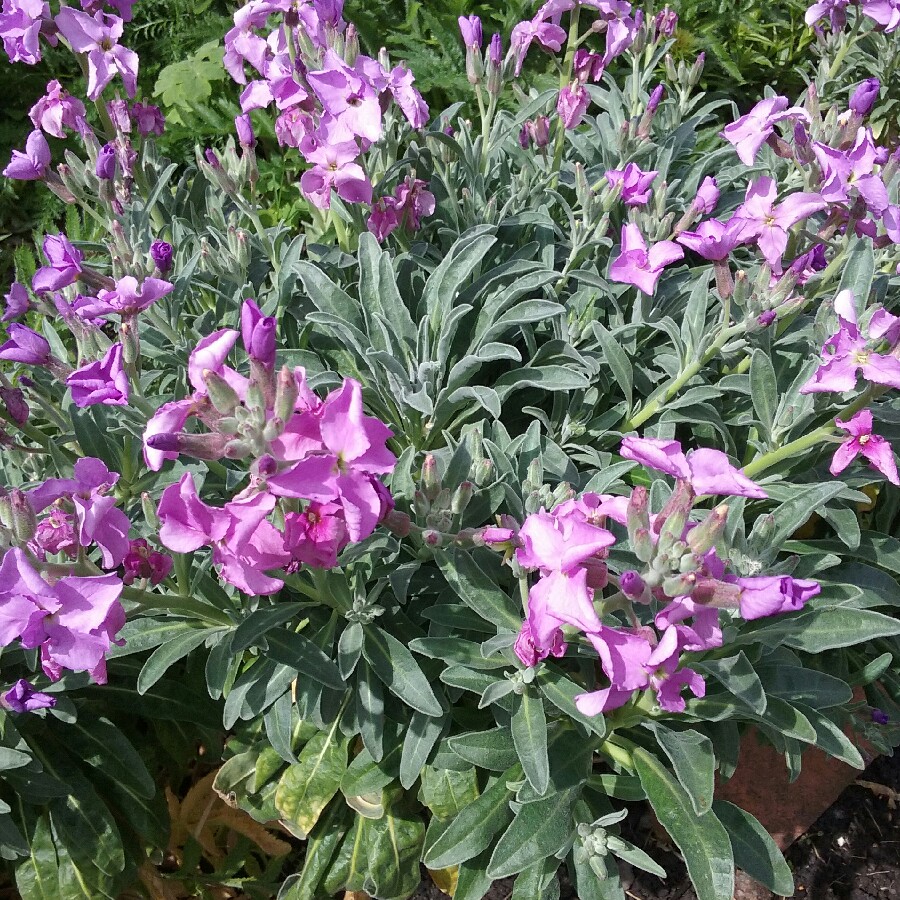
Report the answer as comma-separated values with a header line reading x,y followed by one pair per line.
x,y
851,853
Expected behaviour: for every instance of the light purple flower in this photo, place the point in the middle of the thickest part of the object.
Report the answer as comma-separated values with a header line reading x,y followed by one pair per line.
x,y
17,302
244,128
187,523
848,353
22,697
410,101
348,97
258,334
31,165
713,240
707,196
708,471
587,66
549,36
639,266
768,595
98,37
873,447
864,96
127,299
751,131
572,104
852,169
334,166
105,168
57,111
148,118
100,382
636,184
21,22
25,346
65,265
767,223
885,12
834,9
470,28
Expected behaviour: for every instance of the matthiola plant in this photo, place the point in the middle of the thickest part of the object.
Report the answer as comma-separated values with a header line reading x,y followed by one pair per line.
x,y
549,453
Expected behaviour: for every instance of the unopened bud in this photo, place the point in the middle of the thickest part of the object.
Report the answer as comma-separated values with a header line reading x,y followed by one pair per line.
x,y
430,481
24,521
222,396
15,405
273,429
741,288
703,537
462,496
642,544
696,70
679,585
209,445
483,472
237,449
671,71
397,523
432,538
674,515
637,514
130,340
286,393
148,507
633,586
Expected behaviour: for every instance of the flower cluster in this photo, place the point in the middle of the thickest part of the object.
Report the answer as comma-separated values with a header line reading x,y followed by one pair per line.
x,y
331,100
327,453
884,13
52,596
683,573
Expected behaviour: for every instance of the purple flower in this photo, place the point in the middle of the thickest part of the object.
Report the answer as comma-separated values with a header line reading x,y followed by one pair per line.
x,y
148,118
879,717
25,346
98,37
639,266
713,240
187,523
763,221
834,9
317,535
56,534
862,441
708,471
161,253
848,352
572,104
244,128
470,28
128,298
707,196
348,97
751,131
549,36
495,51
31,165
57,111
258,334
22,697
142,562
587,66
17,302
100,382
20,28
665,23
410,101
65,265
852,169
768,595
885,12
14,402
334,166
864,96
635,183
106,163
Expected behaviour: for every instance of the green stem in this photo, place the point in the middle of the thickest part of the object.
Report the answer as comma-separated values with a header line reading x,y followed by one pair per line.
x,y
850,40
177,603
683,377
564,79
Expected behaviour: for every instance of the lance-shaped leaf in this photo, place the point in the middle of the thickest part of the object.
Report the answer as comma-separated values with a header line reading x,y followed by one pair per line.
x,y
691,755
398,669
529,734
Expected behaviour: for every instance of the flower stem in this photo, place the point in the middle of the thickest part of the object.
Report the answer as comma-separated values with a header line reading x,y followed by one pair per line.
x,y
564,79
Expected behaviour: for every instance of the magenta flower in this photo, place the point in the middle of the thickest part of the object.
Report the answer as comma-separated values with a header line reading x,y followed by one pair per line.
x,y
65,265
258,334
335,167
635,183
142,562
22,697
751,131
707,196
105,168
639,266
98,37
187,523
101,382
766,223
862,441
572,104
57,111
168,419
713,240
409,204
848,352
530,652
708,471
317,535
31,165
161,253
25,346
768,595
56,534
348,97
587,66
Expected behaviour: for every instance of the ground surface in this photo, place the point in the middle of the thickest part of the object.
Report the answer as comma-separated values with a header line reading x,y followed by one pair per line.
x,y
851,853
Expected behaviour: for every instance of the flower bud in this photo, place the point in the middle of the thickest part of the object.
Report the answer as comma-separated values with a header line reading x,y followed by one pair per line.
x,y
244,128
24,521
421,506
462,496
483,472
237,449
15,405
642,544
494,67
148,507
286,393
105,167
432,538
397,523
222,396
273,429
130,339
674,515
431,482
208,445
864,96
697,70
679,585
161,254
637,514
633,586
703,537
671,71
